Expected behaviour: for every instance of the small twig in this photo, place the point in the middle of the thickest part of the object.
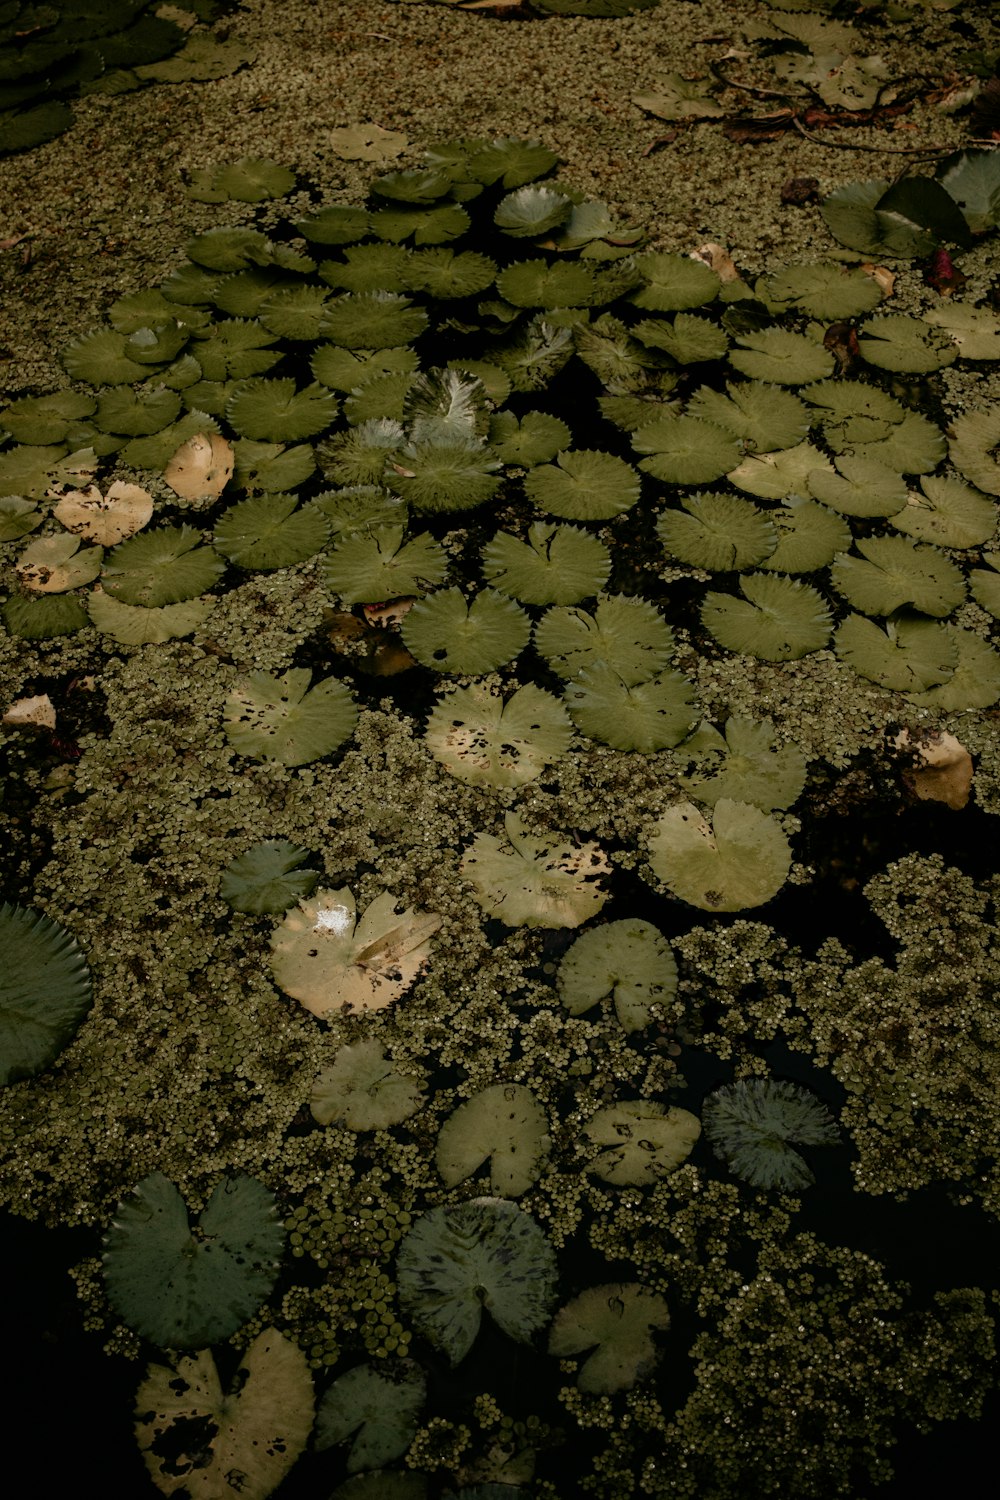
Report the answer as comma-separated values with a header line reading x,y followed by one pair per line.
x,y
928,151
747,88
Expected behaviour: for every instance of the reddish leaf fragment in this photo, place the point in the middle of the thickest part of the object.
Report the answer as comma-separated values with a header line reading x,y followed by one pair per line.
x,y
941,272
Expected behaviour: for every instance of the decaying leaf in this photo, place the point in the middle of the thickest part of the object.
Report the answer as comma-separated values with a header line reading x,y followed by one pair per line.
x,y
365,143
36,712
106,519
940,767
201,468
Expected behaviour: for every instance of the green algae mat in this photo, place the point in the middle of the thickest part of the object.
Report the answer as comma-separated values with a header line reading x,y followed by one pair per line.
x,y
501,778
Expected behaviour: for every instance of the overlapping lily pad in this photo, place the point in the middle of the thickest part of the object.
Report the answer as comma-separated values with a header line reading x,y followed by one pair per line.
x,y
627,634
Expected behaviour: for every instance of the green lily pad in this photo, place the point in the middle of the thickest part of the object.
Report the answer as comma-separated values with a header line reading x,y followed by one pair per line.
x,y
194,1434
535,439
18,518
809,537
252,179
645,717
905,345
272,467
948,513
362,1090
971,179
283,719
28,472
329,959
379,1409
449,635
615,1322
45,991
45,618
47,419
556,565
162,566
236,349
360,456
975,330
909,655
264,533
859,487
781,476
975,682
359,507
673,283
852,217
382,396
155,452
369,268
136,413
984,585
443,474
532,283
229,249
484,1255
536,354
644,1141
432,225
268,877
686,450
275,411
823,289
778,619
751,1124
294,312
368,567
372,320
678,98
504,1125
337,224
529,211
140,625
718,532
583,485
629,961
102,358
443,273
628,635
783,357
764,417
974,449
512,162
748,765
532,881
181,1287
687,338
488,742
893,572
739,860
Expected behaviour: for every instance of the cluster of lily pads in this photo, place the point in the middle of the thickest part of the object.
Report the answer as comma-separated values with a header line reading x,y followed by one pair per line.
x,y
383,391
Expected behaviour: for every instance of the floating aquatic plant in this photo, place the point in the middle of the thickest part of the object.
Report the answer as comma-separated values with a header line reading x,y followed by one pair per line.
x,y
45,991
628,961
377,1410
643,1141
755,1123
613,1325
504,1125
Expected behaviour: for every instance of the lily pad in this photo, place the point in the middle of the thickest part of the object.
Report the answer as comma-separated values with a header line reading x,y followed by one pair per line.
x,y
975,330
283,719
269,532
532,283
909,655
163,566
368,567
975,682
45,991
974,449
739,860
644,1141
530,211
556,565
809,537
984,585
751,1125
781,476
583,485
823,289
948,513
182,1286
905,345
747,765
274,411
893,572
629,961
443,273
139,625
363,1090
443,473
687,338
719,532
53,564
136,413
102,358
47,419
379,1409
44,618
327,958
778,619
673,283
512,162
372,320
105,519
616,1321
252,179
859,487
484,1255
783,357
686,450
528,880
442,631
194,1436
645,717
504,1125
18,518
971,179
268,877
488,742
764,417
628,635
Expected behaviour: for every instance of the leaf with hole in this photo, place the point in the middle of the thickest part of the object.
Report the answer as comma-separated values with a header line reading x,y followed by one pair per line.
x,y
645,717
643,1140
555,565
529,880
194,1436
53,564
948,513
366,567
377,1408
445,633
778,619
616,1323
975,330
483,740
738,860
182,1285
328,958
485,1255
283,719
363,1090
504,1125
628,961
626,634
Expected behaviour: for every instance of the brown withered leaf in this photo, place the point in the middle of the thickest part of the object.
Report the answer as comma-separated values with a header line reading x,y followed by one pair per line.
x,y
940,767
105,519
201,468
32,713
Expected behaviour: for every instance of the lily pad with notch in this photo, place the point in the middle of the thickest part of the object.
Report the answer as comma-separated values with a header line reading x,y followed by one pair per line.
x,y
627,634
163,566
643,1141
377,1408
45,991
718,532
782,357
764,417
267,877
616,1322
52,564
628,961
485,1255
909,655
555,565
905,345
685,450
184,1286
860,487
363,1090
823,289
366,567
447,634
534,439
275,411
486,741
644,717
752,1123
893,572
778,619
583,485
974,448
530,211
529,880
673,283
268,532
45,617
283,719
746,764
948,514
809,537
141,625
975,682
504,1125
739,860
